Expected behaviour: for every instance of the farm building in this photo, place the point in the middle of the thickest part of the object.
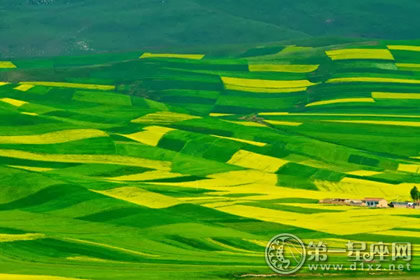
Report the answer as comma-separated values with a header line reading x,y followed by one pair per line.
x,y
375,202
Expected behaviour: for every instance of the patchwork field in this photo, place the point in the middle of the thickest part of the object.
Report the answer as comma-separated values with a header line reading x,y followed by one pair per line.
x,y
183,166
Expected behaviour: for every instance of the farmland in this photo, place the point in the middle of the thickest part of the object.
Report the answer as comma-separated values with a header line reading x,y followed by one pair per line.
x,y
148,165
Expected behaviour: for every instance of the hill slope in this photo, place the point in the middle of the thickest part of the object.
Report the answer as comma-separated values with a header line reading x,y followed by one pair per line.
x,y
68,27
183,166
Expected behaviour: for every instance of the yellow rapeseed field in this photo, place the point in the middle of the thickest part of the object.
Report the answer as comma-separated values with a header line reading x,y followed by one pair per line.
x,y
373,80
7,64
4,276
247,123
255,143
14,102
53,137
149,175
70,85
394,95
150,136
32,168
364,173
404,48
86,158
266,84
253,160
164,117
172,55
282,68
274,122
412,168
140,197
341,100
344,54
24,87
20,237
397,123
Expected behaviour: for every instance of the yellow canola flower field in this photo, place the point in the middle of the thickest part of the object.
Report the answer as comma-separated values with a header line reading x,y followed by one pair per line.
x,y
23,87
341,100
282,68
345,54
394,95
32,168
336,114
53,137
20,237
150,136
70,85
4,276
164,117
264,90
266,84
397,123
140,197
172,55
363,173
252,160
7,64
274,122
412,168
76,158
404,48
255,143
373,80
149,175
13,102
219,115
247,123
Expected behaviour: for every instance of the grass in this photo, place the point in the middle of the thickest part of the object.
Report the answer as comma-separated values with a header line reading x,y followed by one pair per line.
x,y
115,167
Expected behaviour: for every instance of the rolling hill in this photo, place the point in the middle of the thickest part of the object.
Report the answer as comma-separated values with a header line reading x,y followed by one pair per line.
x,y
74,27
151,165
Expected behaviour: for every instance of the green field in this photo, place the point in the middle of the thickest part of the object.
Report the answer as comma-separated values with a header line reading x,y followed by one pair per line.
x,y
178,166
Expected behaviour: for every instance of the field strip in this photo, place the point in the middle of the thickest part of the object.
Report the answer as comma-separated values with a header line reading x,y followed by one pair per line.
x,y
23,87
291,68
336,114
172,55
408,66
140,197
393,95
145,176
219,115
364,173
270,84
13,102
7,64
55,137
20,237
397,123
412,168
341,100
252,160
404,48
246,123
150,136
164,117
77,158
4,276
69,85
255,143
263,89
109,247
32,168
344,54
373,80
90,259
286,123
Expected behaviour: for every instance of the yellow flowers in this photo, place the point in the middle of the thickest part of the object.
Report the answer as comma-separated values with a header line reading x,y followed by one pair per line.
x,y
344,54
393,95
265,86
274,122
24,87
70,85
256,161
4,276
282,68
397,123
53,137
20,237
164,117
140,197
341,100
7,64
373,80
150,136
172,55
259,144
14,102
404,48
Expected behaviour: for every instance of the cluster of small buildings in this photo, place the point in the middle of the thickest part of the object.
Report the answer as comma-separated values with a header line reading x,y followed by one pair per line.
x,y
370,202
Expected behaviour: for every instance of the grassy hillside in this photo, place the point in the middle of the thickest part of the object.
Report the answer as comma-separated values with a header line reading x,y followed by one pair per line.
x,y
160,165
69,27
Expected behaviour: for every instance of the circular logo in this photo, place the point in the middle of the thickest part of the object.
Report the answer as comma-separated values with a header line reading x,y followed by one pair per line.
x,y
285,253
